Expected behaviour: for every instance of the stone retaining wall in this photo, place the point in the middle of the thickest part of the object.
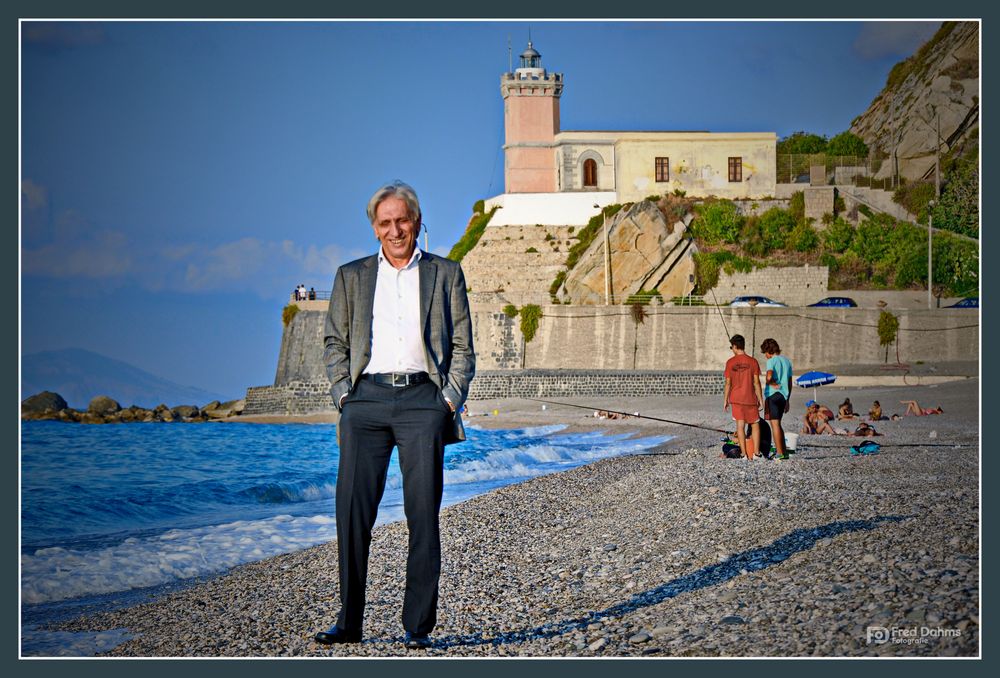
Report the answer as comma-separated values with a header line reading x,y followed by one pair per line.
x,y
297,397
790,285
312,397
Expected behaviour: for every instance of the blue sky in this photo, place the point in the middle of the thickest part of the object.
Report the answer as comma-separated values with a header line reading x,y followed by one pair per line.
x,y
179,179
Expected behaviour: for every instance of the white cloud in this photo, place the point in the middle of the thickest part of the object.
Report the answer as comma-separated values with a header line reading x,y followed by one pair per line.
x,y
879,39
103,254
268,269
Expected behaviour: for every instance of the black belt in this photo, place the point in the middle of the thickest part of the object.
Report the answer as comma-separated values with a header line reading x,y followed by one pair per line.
x,y
397,379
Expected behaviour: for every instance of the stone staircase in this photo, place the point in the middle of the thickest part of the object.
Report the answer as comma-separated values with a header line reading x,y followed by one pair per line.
x,y
501,269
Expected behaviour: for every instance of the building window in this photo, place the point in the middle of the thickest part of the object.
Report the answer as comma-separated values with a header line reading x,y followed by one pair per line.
x,y
663,169
590,173
736,169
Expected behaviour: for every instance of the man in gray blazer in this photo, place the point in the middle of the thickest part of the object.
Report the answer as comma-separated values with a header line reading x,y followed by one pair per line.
x,y
399,356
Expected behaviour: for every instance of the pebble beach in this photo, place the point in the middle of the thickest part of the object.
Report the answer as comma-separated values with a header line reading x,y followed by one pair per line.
x,y
671,553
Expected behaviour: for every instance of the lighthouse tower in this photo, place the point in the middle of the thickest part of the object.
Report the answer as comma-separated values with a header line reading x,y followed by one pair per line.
x,y
531,121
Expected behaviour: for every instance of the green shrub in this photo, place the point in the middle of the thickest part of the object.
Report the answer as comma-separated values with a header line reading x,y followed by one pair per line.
x,y
475,230
830,261
288,313
588,233
847,144
914,197
801,143
838,235
958,209
556,284
530,314
797,205
653,198
679,193
775,226
479,207
888,327
531,250
752,237
708,264
510,310
717,221
908,255
803,238
872,238
956,264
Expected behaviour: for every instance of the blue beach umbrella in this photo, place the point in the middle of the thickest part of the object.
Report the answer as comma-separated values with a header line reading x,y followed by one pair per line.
x,y
814,379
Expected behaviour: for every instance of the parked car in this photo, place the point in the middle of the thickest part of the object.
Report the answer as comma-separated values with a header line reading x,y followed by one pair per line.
x,y
761,301
836,302
968,302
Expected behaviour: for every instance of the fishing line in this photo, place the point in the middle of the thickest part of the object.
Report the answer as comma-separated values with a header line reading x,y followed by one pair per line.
x,y
728,335
629,414
719,430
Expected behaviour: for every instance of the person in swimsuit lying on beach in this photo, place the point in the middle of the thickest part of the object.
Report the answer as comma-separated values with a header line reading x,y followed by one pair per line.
x,y
865,431
913,408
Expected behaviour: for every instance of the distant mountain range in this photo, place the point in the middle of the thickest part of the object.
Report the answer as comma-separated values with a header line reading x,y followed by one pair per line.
x,y
78,375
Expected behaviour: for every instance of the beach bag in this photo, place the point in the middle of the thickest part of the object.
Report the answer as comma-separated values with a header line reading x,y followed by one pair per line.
x,y
866,448
731,450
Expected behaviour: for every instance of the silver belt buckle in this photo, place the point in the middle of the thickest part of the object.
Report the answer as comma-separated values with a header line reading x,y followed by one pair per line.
x,y
397,377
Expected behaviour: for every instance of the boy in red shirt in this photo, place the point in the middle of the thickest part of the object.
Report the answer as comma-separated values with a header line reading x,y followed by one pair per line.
x,y
743,392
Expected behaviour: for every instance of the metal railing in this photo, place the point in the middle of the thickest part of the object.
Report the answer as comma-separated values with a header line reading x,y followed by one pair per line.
x,y
310,296
840,169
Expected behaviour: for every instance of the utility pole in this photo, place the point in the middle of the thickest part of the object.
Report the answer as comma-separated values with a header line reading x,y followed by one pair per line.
x,y
892,127
930,269
937,161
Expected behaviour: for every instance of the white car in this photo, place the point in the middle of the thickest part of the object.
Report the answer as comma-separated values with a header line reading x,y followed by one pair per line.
x,y
754,301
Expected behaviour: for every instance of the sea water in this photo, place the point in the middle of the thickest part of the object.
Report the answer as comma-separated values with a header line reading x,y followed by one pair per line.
x,y
113,514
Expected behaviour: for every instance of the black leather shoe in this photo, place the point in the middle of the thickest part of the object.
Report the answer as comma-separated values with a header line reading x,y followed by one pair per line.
x,y
417,641
335,634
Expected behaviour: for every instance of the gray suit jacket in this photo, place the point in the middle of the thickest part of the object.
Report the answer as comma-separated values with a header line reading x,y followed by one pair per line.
x,y
444,313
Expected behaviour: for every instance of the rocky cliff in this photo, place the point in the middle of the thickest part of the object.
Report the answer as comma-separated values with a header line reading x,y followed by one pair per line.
x,y
647,253
937,85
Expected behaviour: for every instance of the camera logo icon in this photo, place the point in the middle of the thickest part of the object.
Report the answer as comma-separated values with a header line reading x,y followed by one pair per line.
x,y
879,635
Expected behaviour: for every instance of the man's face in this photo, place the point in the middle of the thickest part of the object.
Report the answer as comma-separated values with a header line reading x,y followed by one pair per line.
x,y
396,229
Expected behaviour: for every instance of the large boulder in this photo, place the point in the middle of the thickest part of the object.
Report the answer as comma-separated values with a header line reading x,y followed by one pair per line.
x,y
223,410
42,405
647,253
186,412
103,405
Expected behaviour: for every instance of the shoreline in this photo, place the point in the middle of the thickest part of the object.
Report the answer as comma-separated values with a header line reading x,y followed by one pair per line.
x,y
673,552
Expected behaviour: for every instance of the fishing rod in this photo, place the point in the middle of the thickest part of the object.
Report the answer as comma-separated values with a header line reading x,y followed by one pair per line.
x,y
721,317
719,430
629,414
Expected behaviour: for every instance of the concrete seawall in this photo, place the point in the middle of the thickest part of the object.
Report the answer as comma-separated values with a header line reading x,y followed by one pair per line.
x,y
674,338
584,350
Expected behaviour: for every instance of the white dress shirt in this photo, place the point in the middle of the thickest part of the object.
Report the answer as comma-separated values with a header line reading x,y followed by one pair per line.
x,y
397,340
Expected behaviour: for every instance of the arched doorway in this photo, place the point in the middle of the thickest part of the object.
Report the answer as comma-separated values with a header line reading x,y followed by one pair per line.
x,y
590,173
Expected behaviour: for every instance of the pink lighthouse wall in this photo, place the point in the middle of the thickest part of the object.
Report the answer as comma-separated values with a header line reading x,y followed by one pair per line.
x,y
531,122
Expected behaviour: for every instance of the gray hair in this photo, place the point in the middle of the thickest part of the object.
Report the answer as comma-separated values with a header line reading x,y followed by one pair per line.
x,y
396,189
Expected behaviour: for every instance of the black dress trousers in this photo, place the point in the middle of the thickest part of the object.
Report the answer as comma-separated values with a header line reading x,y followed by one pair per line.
x,y
374,419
